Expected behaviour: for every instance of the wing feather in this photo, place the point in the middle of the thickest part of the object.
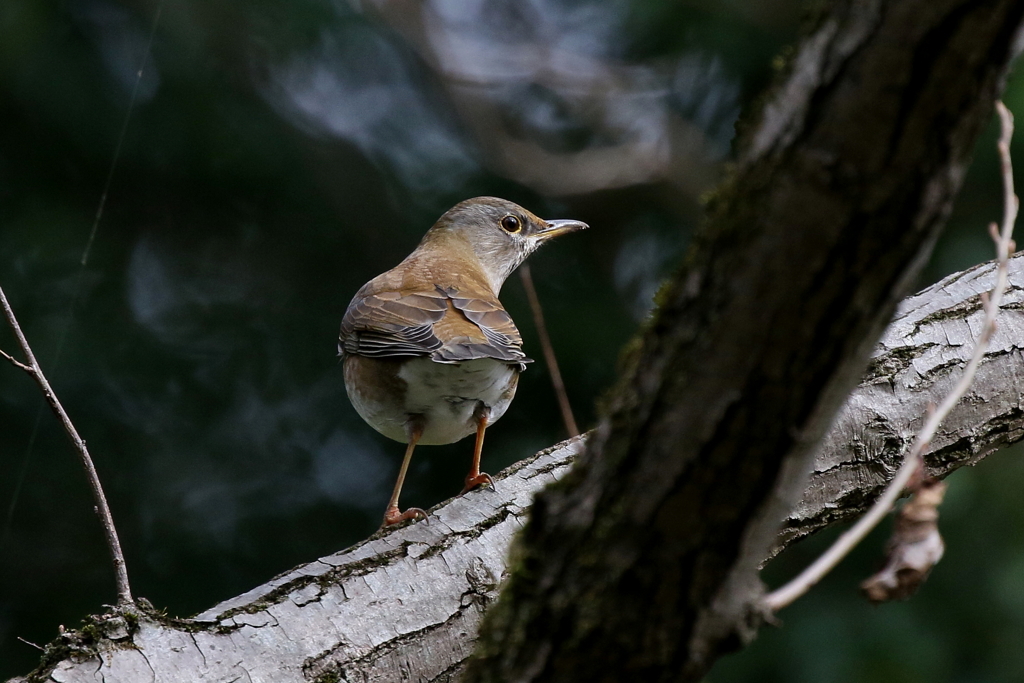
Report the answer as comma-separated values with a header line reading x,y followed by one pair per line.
x,y
389,324
502,340
392,324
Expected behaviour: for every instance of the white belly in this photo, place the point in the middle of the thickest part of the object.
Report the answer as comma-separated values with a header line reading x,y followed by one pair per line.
x,y
446,395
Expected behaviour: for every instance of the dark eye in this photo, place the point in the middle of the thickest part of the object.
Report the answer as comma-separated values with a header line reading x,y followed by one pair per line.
x,y
511,224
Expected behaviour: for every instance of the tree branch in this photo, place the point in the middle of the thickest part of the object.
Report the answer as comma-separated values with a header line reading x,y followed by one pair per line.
x,y
549,351
429,584
916,363
912,462
124,593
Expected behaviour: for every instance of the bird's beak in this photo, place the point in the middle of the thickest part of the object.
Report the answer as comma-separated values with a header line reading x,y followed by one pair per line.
x,y
559,227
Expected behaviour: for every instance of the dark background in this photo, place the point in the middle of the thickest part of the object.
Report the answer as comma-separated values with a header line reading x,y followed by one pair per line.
x,y
279,154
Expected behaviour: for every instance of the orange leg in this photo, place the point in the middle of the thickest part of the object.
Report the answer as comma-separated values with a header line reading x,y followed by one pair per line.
x,y
392,514
476,477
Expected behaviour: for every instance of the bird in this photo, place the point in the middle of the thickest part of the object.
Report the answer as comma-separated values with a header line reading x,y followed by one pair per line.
x,y
429,354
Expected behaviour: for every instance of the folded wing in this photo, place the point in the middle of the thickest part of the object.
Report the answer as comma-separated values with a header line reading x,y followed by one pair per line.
x,y
392,324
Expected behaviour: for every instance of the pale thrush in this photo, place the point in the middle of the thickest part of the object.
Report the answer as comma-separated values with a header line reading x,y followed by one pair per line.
x,y
430,355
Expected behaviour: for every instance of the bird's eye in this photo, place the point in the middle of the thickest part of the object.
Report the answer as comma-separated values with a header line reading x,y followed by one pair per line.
x,y
511,224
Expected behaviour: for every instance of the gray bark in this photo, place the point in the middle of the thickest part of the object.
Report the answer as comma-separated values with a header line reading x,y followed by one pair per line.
x,y
405,604
916,363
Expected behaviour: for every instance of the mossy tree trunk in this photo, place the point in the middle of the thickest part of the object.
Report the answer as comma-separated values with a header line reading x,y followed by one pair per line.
x,y
642,563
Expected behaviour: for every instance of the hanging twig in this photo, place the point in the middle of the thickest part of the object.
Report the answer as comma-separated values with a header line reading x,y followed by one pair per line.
x,y
549,351
1003,238
124,594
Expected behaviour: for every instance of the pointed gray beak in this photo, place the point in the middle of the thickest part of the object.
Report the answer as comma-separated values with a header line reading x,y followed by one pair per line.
x,y
560,227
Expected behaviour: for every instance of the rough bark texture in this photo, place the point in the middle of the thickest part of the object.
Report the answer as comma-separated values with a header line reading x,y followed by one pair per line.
x,y
642,564
406,605
403,605
915,364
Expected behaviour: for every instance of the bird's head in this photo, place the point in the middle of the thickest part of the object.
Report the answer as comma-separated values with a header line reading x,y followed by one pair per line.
x,y
500,234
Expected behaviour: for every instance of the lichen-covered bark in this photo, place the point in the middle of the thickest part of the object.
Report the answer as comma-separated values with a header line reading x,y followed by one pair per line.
x,y
642,564
453,564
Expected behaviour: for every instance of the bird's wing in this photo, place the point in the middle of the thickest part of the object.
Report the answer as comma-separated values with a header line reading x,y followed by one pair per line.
x,y
389,324
501,340
393,324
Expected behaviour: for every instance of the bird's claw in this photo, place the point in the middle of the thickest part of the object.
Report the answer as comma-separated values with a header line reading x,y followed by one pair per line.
x,y
480,479
393,516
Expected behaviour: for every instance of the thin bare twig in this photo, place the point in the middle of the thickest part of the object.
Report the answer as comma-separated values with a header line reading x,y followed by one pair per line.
x,y
29,642
124,594
1003,238
549,351
14,361
54,363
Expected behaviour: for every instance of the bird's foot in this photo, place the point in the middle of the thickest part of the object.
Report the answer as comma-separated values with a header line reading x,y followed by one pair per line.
x,y
393,516
479,479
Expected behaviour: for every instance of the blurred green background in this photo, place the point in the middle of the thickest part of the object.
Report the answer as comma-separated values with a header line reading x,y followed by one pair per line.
x,y
279,154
